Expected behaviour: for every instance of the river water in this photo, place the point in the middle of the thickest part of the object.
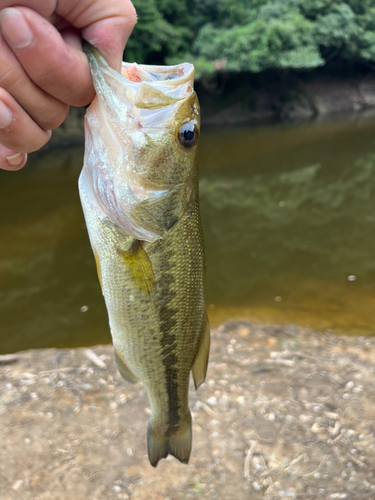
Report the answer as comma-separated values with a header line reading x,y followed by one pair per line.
x,y
289,220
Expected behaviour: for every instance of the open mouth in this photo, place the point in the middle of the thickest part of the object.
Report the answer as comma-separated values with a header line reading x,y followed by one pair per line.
x,y
174,75
140,86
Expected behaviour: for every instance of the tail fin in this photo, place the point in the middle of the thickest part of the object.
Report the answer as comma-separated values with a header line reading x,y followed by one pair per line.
x,y
177,444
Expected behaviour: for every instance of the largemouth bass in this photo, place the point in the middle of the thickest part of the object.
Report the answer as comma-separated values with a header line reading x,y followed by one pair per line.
x,y
139,192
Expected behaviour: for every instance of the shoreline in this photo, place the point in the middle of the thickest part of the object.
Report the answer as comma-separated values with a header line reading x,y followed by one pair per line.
x,y
254,99
285,412
260,99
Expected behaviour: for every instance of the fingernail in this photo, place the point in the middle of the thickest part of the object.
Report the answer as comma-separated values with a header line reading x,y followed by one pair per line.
x,y
15,29
16,159
5,115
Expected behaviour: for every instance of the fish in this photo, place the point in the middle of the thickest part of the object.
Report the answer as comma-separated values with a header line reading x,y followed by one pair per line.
x,y
139,193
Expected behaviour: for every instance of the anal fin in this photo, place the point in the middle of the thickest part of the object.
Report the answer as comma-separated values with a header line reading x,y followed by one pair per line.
x,y
199,368
125,372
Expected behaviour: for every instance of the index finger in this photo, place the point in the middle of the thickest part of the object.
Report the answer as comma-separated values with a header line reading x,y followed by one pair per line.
x,y
43,7
106,24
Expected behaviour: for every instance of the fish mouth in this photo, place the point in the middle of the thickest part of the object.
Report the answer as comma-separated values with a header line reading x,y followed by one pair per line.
x,y
147,86
165,75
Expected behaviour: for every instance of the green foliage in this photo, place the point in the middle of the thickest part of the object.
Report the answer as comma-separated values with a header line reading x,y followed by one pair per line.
x,y
154,36
360,6
265,43
314,8
252,35
338,28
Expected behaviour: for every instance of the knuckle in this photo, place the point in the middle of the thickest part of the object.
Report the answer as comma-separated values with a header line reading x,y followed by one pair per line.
x,y
26,143
83,99
9,78
34,142
51,119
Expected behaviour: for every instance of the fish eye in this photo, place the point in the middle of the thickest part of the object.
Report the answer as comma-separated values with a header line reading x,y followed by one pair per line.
x,y
188,135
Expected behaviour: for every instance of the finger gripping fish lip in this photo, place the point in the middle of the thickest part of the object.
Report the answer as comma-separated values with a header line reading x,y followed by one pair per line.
x,y
150,87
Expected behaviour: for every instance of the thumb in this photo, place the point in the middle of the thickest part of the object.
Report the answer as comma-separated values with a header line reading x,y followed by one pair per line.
x,y
106,24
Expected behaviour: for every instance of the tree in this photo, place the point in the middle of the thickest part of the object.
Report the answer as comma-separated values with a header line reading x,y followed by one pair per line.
x,y
253,35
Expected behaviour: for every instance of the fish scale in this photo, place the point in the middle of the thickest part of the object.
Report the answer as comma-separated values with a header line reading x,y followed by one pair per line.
x,y
142,215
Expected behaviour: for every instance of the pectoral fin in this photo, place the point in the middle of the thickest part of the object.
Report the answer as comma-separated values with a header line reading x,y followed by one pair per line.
x,y
139,266
125,372
201,359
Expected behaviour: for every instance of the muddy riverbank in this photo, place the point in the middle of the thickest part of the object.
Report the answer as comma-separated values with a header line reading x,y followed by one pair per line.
x,y
284,413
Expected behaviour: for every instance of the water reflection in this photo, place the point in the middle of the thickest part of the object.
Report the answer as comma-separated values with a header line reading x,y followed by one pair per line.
x,y
289,226
289,217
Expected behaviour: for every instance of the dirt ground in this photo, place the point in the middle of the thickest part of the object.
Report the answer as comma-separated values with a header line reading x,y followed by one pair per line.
x,y
284,413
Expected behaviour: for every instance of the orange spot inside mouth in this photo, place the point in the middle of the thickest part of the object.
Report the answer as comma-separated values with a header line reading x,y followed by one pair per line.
x,y
133,75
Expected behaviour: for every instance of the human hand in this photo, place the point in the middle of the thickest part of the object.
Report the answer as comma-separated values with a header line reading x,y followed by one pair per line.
x,y
43,69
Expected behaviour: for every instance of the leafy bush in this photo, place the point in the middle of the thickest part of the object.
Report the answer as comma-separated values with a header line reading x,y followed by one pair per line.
x,y
253,35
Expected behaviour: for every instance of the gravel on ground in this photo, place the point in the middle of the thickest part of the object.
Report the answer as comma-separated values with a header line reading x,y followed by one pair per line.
x,y
285,412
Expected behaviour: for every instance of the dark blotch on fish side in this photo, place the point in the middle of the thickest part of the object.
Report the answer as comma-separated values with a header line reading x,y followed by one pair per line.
x,y
168,340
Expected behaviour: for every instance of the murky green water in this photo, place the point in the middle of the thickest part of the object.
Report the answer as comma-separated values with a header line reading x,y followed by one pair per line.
x,y
289,218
